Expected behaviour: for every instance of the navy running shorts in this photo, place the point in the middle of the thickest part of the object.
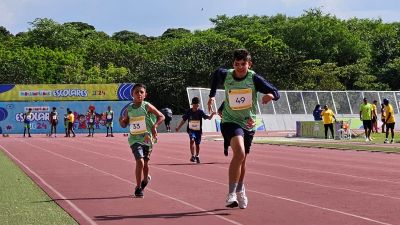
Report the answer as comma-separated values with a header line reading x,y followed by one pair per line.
x,y
196,136
230,130
141,151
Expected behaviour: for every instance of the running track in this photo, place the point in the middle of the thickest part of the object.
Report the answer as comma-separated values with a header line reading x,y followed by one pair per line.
x,y
92,179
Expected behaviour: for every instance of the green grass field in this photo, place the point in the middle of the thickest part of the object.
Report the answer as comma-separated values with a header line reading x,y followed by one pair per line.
x,y
23,202
356,144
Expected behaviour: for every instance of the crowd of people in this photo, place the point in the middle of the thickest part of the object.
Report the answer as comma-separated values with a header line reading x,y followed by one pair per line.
x,y
368,115
88,121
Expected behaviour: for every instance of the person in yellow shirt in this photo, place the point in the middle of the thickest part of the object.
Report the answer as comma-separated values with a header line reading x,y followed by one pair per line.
x,y
390,121
328,118
366,117
374,116
71,119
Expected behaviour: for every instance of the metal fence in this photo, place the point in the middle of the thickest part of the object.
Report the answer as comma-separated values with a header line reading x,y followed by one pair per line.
x,y
304,102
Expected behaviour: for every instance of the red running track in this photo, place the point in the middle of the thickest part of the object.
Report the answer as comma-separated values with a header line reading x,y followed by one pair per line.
x,y
93,180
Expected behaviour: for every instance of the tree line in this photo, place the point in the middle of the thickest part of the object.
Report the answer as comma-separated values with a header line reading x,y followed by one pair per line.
x,y
314,51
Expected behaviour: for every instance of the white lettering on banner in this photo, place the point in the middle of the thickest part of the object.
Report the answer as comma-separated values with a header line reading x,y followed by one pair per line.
x,y
240,98
41,93
70,93
36,116
37,108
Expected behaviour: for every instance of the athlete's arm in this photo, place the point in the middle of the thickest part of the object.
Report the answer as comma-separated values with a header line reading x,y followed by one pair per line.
x,y
217,78
124,120
160,118
263,86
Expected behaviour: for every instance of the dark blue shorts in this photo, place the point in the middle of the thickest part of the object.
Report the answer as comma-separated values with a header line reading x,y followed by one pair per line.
x,y
141,151
196,136
230,130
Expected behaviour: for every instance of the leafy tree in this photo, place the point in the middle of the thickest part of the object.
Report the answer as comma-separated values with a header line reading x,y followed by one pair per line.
x,y
128,36
4,33
175,33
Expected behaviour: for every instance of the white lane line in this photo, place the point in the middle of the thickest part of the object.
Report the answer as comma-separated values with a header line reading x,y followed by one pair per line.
x,y
305,169
283,198
73,206
130,182
249,190
262,174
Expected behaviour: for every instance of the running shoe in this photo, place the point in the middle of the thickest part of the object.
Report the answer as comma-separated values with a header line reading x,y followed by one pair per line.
x,y
144,183
138,192
231,200
242,199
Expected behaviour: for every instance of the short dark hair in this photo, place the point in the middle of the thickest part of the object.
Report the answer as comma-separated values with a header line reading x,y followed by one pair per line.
x,y
195,100
385,101
139,85
242,54
54,108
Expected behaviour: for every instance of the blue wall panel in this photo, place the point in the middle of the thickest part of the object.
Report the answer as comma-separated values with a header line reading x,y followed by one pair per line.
x,y
11,115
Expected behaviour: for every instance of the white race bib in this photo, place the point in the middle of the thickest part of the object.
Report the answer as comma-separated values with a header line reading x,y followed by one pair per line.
x,y
90,120
54,117
137,125
194,124
240,98
109,116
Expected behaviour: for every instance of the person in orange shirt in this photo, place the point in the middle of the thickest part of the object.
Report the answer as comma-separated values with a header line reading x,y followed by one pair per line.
x,y
328,118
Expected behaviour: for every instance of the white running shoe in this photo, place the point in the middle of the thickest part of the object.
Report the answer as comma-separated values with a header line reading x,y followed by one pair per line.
x,y
231,200
242,199
386,141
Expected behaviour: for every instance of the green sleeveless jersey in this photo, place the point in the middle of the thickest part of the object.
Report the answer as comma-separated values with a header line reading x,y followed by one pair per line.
x,y
240,100
140,123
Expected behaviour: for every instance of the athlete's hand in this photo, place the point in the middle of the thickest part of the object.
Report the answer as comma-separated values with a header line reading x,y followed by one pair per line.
x,y
267,98
220,113
123,121
154,132
147,138
251,123
210,103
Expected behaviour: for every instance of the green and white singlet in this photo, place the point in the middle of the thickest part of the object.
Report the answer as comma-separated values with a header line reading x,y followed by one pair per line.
x,y
140,124
240,100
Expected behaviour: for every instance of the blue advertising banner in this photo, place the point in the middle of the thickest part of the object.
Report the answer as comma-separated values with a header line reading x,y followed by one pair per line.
x,y
11,115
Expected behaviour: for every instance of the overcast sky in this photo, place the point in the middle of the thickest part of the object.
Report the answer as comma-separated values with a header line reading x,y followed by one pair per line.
x,y
153,17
